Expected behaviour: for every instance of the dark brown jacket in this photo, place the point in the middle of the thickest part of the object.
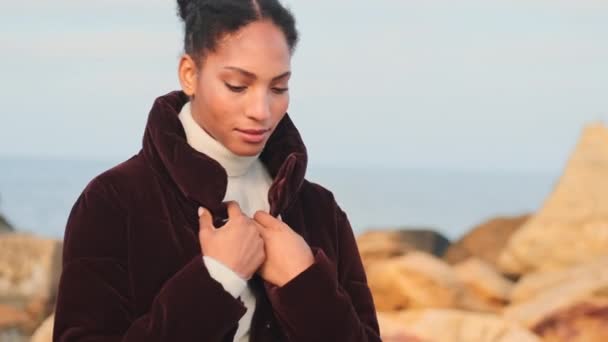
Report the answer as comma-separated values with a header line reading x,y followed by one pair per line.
x,y
132,265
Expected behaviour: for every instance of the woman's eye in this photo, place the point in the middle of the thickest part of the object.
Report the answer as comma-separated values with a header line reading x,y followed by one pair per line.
x,y
235,89
280,90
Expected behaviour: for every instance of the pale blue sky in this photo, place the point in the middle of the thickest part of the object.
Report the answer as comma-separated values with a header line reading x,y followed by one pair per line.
x,y
398,83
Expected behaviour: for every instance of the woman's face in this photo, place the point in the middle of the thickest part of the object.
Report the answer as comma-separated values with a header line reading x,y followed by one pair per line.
x,y
241,89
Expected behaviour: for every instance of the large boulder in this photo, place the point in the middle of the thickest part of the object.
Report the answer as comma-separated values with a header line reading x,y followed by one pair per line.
x,y
421,280
535,284
30,268
446,325
538,297
415,280
486,241
572,225
379,244
11,317
392,330
487,290
586,321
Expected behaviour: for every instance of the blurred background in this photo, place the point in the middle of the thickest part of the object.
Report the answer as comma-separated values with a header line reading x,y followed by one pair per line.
x,y
418,113
453,119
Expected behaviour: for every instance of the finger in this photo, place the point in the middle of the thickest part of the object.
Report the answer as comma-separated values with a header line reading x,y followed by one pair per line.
x,y
261,257
205,220
234,210
266,220
261,230
261,246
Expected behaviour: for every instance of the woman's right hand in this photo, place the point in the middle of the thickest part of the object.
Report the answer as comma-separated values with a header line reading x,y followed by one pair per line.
x,y
237,244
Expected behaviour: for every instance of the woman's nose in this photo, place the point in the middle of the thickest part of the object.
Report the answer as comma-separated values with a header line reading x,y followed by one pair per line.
x,y
259,108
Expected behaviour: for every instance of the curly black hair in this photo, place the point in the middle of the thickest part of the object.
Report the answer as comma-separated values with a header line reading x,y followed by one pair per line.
x,y
206,21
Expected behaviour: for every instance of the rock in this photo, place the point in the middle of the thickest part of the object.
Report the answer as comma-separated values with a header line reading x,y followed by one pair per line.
x,y
30,268
584,322
5,227
446,325
421,280
11,317
487,289
391,330
534,284
414,280
572,226
38,309
486,241
402,338
541,296
45,332
383,244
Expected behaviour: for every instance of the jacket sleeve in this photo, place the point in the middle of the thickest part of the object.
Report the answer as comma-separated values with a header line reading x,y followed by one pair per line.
x,y
95,299
320,305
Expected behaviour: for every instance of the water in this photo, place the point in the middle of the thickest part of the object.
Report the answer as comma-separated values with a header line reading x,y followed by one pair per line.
x,y
37,195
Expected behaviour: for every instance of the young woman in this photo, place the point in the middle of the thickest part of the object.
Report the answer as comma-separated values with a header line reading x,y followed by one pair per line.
x,y
211,232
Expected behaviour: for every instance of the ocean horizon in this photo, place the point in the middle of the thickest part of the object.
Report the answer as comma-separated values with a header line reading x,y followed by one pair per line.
x,y
36,195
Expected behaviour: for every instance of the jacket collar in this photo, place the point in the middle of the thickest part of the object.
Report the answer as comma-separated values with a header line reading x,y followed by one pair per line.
x,y
201,141
203,180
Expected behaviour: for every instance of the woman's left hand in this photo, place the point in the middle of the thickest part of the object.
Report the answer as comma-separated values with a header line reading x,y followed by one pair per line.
x,y
287,254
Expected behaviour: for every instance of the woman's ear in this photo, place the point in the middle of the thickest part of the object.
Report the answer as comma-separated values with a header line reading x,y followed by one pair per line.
x,y
187,73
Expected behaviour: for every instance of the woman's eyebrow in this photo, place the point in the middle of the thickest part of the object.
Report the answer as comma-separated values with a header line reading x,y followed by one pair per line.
x,y
251,75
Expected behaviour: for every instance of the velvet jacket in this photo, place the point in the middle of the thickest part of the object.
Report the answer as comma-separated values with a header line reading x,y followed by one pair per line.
x,y
132,263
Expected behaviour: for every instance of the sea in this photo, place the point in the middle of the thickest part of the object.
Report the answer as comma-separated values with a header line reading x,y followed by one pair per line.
x,y
36,195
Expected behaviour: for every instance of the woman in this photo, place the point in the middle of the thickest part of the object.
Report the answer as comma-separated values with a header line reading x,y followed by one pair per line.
x,y
211,232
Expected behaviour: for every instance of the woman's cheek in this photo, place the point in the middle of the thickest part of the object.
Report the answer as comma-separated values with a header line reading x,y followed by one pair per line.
x,y
223,103
280,105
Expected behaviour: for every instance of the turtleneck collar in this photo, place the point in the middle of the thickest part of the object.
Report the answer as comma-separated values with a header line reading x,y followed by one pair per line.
x,y
201,179
201,141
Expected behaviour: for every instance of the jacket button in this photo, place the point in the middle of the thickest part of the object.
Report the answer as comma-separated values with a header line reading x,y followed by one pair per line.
x,y
267,325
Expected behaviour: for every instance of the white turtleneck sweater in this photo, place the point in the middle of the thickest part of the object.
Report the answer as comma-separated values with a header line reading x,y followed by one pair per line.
x,y
248,184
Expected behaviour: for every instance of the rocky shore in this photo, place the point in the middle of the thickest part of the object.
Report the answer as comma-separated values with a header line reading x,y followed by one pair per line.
x,y
536,277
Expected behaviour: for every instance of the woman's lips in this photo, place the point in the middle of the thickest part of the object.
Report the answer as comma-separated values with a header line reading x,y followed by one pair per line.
x,y
254,136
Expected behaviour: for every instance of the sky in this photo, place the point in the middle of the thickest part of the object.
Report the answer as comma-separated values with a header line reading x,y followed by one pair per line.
x,y
499,85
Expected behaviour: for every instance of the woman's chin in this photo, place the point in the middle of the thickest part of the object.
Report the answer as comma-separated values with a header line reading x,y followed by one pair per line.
x,y
246,149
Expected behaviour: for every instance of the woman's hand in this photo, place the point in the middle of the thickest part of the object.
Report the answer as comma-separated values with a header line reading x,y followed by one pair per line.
x,y
237,244
287,254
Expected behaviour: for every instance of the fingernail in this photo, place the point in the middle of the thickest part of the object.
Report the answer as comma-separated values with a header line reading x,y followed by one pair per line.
x,y
200,211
